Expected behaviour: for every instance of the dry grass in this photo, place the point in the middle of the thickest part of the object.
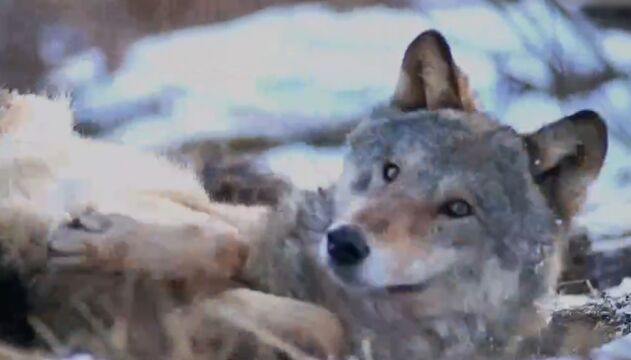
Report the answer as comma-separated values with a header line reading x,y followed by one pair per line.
x,y
108,313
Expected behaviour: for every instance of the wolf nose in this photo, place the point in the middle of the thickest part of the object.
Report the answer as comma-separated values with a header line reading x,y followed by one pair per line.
x,y
346,245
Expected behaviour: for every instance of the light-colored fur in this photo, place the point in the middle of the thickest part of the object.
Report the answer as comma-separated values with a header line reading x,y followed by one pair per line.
x,y
54,175
110,207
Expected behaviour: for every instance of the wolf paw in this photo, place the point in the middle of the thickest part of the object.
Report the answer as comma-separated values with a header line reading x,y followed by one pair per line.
x,y
114,242
90,240
294,327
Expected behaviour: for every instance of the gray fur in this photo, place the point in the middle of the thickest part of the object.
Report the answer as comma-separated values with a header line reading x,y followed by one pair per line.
x,y
475,308
435,285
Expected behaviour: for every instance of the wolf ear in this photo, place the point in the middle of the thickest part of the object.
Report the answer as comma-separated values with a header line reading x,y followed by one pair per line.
x,y
566,156
429,78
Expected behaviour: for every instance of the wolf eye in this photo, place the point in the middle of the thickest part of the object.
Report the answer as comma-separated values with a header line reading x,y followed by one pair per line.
x,y
390,171
456,208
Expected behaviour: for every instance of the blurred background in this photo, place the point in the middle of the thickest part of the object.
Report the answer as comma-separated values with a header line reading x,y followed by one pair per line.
x,y
278,83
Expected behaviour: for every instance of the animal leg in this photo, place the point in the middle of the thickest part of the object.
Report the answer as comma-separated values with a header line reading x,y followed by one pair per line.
x,y
115,242
297,328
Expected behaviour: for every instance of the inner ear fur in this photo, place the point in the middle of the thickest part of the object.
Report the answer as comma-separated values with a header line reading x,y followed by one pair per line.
x,y
566,157
429,78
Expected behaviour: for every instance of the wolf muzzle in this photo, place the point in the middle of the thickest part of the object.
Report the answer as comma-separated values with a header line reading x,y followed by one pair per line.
x,y
346,245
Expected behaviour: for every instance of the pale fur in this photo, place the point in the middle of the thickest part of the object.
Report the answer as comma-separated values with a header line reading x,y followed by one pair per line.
x,y
58,175
106,206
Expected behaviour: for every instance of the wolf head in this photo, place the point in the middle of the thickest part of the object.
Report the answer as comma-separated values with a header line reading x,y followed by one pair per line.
x,y
434,192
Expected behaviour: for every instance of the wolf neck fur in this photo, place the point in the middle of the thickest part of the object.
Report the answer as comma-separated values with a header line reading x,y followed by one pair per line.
x,y
284,263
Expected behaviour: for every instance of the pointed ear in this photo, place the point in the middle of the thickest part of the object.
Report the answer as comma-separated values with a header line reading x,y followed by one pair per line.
x,y
429,78
566,157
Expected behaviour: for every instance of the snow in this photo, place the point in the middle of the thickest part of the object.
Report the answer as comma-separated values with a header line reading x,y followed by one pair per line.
x,y
311,60
281,60
617,47
289,161
289,68
615,350
79,69
621,290
529,112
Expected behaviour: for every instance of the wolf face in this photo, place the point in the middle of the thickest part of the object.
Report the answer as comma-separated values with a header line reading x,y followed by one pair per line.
x,y
435,196
428,194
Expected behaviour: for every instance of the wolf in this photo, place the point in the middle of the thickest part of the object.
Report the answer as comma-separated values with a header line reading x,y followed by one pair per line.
x,y
446,231
50,174
67,202
442,238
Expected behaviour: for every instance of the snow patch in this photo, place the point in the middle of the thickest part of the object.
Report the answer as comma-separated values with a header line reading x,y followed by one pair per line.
x,y
305,166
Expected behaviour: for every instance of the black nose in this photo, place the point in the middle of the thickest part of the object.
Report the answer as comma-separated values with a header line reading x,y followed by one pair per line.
x,y
346,245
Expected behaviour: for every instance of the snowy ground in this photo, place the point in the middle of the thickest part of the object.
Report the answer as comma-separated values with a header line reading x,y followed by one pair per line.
x,y
309,62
